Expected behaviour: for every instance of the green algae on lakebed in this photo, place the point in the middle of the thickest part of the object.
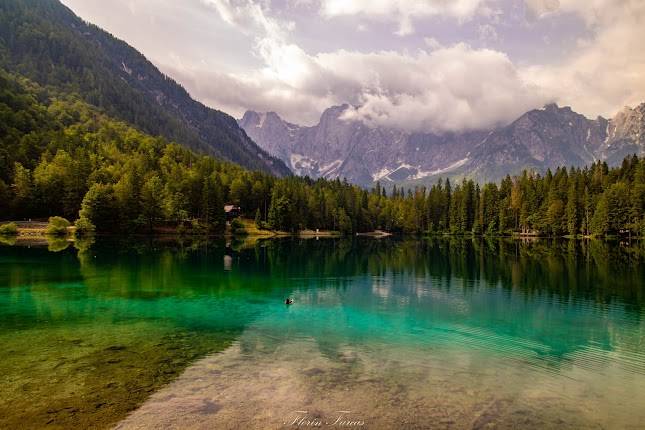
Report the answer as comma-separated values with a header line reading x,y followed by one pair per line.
x,y
84,342
91,376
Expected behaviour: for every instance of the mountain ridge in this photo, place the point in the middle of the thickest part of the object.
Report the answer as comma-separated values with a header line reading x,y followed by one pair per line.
x,y
46,42
538,140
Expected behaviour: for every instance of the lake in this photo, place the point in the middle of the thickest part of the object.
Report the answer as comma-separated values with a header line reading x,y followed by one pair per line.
x,y
388,333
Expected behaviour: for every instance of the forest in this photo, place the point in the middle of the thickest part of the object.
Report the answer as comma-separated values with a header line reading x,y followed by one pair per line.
x,y
60,156
44,41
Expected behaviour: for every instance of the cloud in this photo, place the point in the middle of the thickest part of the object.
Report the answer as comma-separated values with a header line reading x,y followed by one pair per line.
x,y
449,89
542,7
249,17
607,70
442,88
402,11
432,43
288,80
487,34
592,11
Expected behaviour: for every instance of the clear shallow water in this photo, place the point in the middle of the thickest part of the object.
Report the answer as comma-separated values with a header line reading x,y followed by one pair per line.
x,y
402,334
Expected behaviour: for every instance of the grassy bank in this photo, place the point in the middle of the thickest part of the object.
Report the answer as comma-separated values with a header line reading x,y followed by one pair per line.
x,y
247,228
32,229
241,227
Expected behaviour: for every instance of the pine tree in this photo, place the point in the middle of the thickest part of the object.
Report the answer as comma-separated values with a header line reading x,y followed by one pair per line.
x,y
600,220
151,201
572,209
22,190
587,211
258,218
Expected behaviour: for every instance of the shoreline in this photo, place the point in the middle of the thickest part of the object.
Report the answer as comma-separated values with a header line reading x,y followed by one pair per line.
x,y
37,231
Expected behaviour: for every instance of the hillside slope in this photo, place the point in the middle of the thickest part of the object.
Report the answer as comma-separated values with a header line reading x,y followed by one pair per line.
x,y
46,42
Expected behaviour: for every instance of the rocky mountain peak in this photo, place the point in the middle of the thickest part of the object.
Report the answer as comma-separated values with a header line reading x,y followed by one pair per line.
x,y
334,111
539,139
551,107
250,118
332,115
626,131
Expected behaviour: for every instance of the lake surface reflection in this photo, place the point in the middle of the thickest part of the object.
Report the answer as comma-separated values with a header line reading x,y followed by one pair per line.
x,y
438,333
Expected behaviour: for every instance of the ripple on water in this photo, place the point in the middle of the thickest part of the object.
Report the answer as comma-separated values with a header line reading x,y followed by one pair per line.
x,y
404,334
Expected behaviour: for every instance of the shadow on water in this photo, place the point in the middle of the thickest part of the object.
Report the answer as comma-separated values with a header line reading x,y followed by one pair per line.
x,y
89,331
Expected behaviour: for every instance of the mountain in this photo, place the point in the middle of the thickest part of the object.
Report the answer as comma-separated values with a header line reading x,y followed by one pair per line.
x,y
338,148
624,135
538,140
46,42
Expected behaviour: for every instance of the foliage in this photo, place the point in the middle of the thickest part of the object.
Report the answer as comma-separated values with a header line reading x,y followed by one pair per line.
x,y
57,226
44,41
84,227
258,218
8,229
237,225
63,157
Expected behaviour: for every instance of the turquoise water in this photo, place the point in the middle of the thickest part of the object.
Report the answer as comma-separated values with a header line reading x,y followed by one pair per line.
x,y
441,333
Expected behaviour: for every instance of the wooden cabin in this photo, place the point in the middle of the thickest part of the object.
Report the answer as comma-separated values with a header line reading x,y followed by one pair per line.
x,y
232,211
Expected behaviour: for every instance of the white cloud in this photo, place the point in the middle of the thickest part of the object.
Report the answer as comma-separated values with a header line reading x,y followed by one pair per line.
x,y
542,7
487,34
403,11
250,17
432,43
592,11
442,89
449,89
607,70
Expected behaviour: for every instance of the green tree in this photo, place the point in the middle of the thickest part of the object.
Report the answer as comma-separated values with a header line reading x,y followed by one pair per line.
x,y
5,199
126,192
84,227
587,211
58,226
618,200
555,215
22,190
152,201
9,229
344,222
600,219
239,191
258,218
212,209
279,214
572,209
99,207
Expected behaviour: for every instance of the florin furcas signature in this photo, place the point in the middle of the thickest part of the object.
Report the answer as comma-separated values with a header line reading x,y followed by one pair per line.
x,y
336,419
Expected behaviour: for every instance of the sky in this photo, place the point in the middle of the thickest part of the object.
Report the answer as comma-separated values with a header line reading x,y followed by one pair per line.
x,y
415,65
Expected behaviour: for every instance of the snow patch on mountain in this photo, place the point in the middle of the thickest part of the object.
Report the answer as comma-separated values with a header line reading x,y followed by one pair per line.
x,y
328,170
538,140
450,168
263,118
